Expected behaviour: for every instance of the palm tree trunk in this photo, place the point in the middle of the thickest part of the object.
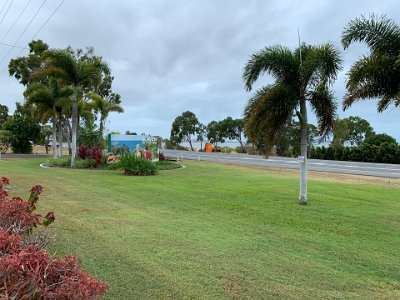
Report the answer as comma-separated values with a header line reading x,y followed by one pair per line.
x,y
68,134
60,136
54,142
303,153
74,120
102,121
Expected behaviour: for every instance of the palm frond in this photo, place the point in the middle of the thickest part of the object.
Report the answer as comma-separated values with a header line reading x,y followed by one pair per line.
x,y
277,61
268,111
63,60
52,71
324,106
379,33
371,77
320,63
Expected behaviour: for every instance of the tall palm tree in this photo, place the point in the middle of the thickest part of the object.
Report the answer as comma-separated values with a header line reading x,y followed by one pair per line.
x,y
376,75
49,100
103,107
300,76
77,72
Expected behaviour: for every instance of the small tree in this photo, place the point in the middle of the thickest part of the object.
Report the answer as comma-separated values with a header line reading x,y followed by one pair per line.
x,y
233,129
24,131
340,132
3,115
5,140
359,130
201,134
216,132
378,139
183,127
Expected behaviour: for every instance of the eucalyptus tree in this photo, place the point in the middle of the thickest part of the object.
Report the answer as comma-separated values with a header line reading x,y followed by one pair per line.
x,y
201,134
49,99
79,73
183,127
216,132
376,75
103,107
301,76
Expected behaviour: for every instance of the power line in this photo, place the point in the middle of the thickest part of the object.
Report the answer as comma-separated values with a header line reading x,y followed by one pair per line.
x,y
40,29
48,19
5,14
19,47
16,20
26,27
5,3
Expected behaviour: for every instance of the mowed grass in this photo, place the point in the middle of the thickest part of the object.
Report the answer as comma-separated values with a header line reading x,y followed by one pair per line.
x,y
214,232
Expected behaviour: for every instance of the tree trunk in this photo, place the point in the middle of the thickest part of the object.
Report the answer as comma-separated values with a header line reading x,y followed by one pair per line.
x,y
60,136
102,121
241,144
68,134
74,120
303,153
47,145
190,143
54,142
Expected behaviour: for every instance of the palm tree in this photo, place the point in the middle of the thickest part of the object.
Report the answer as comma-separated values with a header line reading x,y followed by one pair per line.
x,y
300,76
103,107
49,100
376,75
79,73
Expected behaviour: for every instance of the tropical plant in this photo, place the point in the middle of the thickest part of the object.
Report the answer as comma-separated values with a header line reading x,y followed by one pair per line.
x,y
49,99
79,72
300,76
136,166
376,75
103,107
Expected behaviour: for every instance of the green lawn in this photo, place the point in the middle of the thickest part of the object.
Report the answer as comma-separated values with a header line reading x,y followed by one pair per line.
x,y
213,232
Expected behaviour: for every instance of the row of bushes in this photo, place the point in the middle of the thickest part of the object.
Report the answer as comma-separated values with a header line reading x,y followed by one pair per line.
x,y
131,163
27,270
384,153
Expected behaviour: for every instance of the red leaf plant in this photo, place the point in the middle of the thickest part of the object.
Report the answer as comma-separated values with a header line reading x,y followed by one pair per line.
x,y
27,271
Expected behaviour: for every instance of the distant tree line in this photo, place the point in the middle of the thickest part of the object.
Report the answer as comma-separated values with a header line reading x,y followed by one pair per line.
x,y
187,128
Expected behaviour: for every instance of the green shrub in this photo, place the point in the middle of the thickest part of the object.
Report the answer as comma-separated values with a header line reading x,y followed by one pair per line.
x,y
87,163
167,165
136,166
64,161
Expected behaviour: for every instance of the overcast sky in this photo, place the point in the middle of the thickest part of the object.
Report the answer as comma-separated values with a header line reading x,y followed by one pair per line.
x,y
171,56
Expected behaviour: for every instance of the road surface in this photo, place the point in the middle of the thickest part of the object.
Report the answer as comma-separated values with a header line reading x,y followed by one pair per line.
x,y
330,166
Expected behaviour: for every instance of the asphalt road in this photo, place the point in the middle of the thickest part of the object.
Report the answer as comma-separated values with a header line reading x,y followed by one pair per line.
x,y
330,166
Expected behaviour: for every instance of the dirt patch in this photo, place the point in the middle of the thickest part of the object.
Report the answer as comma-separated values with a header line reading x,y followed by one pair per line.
x,y
233,287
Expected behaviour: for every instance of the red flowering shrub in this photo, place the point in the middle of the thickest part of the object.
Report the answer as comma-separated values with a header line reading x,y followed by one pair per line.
x,y
27,271
17,213
30,273
85,152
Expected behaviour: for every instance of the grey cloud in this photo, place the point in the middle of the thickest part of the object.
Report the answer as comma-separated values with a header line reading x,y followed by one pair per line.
x,y
171,56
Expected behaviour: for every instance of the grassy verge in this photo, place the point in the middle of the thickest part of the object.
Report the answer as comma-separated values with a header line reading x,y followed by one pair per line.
x,y
212,232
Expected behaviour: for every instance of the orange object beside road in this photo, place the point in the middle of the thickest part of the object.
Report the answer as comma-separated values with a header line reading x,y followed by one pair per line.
x,y
208,147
